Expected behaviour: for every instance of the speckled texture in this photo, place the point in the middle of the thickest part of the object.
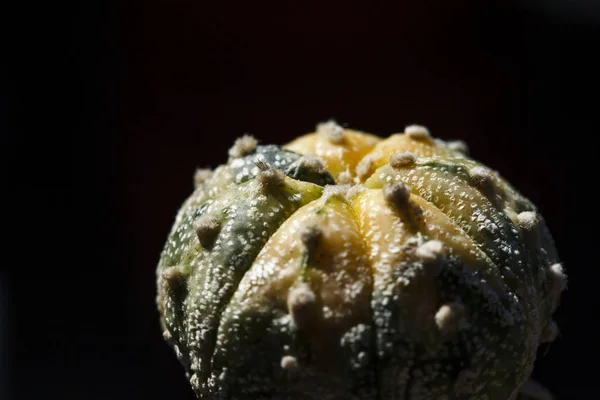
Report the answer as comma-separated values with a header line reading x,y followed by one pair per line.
x,y
346,266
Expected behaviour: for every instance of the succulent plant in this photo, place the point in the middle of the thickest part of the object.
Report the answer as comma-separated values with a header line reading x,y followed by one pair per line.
x,y
346,266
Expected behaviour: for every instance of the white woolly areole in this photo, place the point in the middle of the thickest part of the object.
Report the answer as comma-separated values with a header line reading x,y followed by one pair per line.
x,y
528,220
302,304
206,230
451,317
334,133
242,146
365,166
289,363
201,176
417,132
311,162
481,176
430,250
345,178
402,159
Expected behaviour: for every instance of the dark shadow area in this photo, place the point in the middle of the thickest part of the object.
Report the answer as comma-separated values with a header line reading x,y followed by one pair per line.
x,y
117,104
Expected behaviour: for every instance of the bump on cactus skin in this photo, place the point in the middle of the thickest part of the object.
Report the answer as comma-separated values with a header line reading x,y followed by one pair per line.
x,y
402,159
417,132
332,131
346,266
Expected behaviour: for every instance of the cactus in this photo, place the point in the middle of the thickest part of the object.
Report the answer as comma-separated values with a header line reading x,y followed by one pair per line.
x,y
347,266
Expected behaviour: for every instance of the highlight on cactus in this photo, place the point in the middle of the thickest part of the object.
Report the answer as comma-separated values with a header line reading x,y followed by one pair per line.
x,y
344,266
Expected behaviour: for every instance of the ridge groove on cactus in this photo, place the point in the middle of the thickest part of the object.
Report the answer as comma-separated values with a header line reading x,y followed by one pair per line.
x,y
344,266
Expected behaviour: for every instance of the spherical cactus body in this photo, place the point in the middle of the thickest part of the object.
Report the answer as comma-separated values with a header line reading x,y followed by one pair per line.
x,y
347,266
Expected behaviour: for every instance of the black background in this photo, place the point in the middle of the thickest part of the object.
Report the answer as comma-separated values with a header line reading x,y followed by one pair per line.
x,y
113,106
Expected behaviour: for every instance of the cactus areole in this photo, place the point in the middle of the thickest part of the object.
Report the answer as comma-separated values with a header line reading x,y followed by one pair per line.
x,y
347,266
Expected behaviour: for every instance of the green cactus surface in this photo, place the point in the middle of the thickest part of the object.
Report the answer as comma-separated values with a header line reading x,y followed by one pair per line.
x,y
347,266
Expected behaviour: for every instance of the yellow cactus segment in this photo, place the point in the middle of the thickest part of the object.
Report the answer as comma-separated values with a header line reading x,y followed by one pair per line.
x,y
313,279
389,241
390,245
334,266
341,149
438,225
400,142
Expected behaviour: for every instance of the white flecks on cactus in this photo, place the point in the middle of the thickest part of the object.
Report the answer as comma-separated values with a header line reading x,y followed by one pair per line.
x,y
402,159
417,132
242,146
334,133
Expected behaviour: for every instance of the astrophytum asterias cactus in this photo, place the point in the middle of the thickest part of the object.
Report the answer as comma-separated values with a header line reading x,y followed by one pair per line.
x,y
347,266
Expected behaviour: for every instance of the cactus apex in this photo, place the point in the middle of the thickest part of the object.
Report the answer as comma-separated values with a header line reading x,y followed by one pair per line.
x,y
207,228
201,176
242,146
417,132
402,159
334,133
450,317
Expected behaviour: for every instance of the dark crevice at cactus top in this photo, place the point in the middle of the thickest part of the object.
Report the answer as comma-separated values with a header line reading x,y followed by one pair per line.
x,y
346,266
